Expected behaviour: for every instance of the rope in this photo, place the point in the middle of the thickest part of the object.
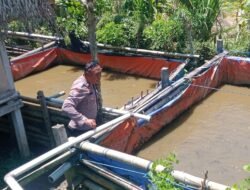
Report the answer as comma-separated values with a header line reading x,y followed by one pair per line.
x,y
217,89
116,167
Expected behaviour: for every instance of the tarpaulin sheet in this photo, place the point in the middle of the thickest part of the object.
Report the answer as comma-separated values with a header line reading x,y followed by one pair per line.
x,y
237,70
33,63
134,174
149,67
128,137
138,65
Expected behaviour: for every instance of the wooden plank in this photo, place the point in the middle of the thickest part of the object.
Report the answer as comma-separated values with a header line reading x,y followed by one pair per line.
x,y
4,60
20,133
10,106
8,95
59,134
46,116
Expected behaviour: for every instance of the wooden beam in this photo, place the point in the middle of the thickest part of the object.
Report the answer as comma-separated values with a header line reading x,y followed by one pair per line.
x,y
14,107
46,116
9,107
20,133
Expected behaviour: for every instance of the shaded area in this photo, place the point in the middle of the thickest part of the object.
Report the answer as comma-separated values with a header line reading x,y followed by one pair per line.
x,y
10,158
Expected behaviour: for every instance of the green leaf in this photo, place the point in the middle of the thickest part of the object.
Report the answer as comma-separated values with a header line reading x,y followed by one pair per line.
x,y
247,167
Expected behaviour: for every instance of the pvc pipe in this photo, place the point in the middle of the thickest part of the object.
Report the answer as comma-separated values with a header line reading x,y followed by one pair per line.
x,y
46,167
138,115
115,155
10,177
59,172
196,181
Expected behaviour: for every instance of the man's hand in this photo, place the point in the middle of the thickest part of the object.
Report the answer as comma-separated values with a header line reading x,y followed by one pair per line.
x,y
91,123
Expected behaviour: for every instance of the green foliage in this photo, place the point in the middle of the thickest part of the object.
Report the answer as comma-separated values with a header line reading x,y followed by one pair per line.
x,y
71,17
142,12
247,168
113,34
163,180
165,35
206,50
245,184
240,45
203,16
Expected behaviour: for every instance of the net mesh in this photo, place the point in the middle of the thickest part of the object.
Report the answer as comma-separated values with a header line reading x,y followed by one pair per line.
x,y
29,12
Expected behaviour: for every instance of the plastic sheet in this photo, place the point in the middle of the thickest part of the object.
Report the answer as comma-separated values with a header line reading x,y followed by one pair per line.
x,y
149,67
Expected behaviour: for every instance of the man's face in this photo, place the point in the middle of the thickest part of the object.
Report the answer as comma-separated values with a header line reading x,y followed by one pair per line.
x,y
93,75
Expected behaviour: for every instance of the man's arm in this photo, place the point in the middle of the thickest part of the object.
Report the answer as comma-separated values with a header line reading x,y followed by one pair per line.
x,y
76,95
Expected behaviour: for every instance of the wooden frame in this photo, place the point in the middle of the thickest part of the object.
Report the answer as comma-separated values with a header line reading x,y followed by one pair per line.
x,y
11,103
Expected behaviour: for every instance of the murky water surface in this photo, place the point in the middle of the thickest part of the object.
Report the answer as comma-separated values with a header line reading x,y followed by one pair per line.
x,y
213,136
117,89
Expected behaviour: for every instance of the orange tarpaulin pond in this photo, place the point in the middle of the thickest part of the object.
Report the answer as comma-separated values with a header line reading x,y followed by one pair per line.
x,y
149,67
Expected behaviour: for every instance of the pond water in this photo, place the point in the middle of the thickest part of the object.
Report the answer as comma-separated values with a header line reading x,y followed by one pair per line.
x,y
117,88
212,136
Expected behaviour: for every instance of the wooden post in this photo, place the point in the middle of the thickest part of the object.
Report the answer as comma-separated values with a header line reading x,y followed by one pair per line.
x,y
164,77
46,117
15,110
59,133
219,46
20,133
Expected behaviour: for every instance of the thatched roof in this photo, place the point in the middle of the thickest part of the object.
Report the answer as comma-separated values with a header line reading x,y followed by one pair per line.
x,y
29,12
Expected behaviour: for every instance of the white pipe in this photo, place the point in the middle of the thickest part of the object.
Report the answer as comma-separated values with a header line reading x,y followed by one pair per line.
x,y
196,181
138,115
10,177
116,155
54,176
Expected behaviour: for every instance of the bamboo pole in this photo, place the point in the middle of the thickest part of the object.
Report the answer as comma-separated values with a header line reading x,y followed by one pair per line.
x,y
106,46
46,46
32,35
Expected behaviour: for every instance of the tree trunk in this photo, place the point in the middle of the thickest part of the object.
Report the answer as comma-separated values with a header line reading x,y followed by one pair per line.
x,y
93,49
92,29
